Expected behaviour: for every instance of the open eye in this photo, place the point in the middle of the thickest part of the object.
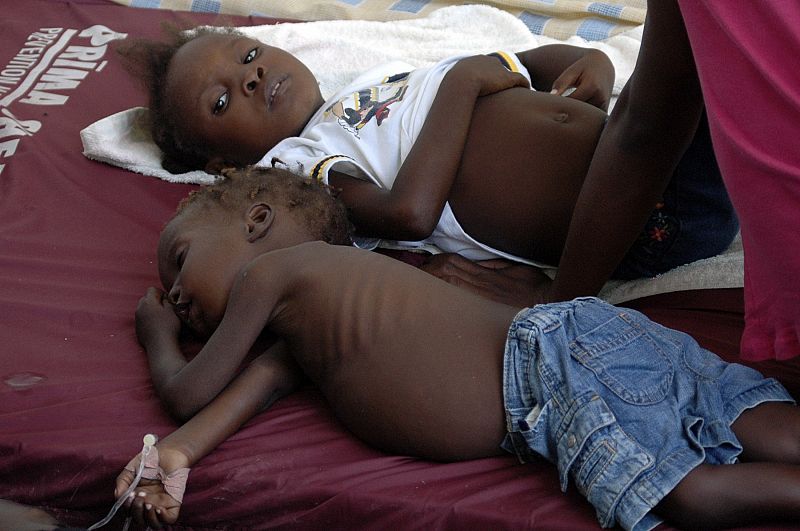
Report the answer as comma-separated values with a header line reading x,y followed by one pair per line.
x,y
250,55
179,259
221,103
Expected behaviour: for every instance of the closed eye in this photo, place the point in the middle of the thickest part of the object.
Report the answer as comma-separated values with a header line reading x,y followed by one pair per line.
x,y
250,55
221,103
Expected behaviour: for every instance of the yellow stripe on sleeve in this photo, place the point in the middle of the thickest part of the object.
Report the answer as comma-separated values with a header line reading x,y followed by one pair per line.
x,y
320,168
507,60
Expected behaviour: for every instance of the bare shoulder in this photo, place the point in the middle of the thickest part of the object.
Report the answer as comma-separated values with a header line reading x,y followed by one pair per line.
x,y
306,261
290,261
314,252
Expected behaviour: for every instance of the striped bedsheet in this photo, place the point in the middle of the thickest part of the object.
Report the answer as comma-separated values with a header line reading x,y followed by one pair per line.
x,y
559,19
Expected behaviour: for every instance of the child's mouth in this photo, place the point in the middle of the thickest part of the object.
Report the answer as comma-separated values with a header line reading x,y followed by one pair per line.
x,y
274,93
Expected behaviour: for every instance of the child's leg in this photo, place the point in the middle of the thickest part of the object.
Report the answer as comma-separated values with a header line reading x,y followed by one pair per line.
x,y
769,432
766,488
716,496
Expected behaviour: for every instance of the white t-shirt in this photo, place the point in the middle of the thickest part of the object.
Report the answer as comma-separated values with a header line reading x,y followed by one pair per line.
x,y
367,130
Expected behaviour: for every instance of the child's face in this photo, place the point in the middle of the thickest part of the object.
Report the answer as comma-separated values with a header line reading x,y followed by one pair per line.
x,y
199,256
240,96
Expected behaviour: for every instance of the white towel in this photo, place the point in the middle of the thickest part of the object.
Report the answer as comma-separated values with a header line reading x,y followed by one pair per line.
x,y
726,270
339,50
123,139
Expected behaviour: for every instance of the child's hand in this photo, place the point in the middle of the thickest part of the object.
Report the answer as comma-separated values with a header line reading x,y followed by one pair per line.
x,y
150,504
155,318
486,74
591,77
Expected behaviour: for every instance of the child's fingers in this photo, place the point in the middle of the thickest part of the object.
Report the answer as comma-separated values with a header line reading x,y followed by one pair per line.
x,y
448,264
521,81
592,95
495,263
581,93
122,483
152,516
153,293
153,298
588,93
137,510
568,79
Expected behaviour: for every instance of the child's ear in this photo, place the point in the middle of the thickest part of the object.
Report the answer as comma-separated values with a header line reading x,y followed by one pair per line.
x,y
259,220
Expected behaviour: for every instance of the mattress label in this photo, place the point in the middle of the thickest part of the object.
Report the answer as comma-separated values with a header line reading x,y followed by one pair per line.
x,y
50,64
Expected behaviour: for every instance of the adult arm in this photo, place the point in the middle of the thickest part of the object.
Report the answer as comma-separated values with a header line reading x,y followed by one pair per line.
x,y
651,126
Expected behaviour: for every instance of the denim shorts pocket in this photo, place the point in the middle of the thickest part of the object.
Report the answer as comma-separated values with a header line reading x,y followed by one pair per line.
x,y
601,459
701,362
626,359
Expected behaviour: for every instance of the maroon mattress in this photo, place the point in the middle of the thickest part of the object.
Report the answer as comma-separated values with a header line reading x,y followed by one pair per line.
x,y
77,250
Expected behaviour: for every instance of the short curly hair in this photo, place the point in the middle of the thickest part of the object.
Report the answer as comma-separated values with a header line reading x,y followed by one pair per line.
x,y
148,61
324,216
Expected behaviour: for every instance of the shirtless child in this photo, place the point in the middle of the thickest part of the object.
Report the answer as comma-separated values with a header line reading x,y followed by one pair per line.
x,y
567,381
462,155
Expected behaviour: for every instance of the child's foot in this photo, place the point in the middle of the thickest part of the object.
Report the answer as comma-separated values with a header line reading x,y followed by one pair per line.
x,y
17,517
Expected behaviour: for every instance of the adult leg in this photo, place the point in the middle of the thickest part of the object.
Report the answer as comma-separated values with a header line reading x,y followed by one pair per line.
x,y
719,496
24,517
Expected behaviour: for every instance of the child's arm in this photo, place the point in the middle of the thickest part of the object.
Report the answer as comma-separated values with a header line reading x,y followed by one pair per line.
x,y
558,67
268,378
411,209
175,379
638,151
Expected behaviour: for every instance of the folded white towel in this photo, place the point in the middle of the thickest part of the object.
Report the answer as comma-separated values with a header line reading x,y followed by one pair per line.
x,y
123,139
339,50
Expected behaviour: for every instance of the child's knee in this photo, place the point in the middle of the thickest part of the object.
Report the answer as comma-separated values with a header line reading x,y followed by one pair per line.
x,y
770,432
788,448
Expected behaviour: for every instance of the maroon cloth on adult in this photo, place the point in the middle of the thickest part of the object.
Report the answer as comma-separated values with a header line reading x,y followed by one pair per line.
x,y
77,250
744,51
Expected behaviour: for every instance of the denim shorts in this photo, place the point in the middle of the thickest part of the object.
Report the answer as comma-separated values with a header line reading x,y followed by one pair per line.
x,y
624,407
694,219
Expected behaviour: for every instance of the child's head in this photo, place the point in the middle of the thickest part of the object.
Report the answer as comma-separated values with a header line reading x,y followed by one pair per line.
x,y
221,228
218,98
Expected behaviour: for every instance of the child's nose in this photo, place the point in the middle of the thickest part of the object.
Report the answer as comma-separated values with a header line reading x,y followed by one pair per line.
x,y
174,293
251,79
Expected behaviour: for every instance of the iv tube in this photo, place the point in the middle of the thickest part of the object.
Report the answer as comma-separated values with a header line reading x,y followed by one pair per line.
x,y
149,441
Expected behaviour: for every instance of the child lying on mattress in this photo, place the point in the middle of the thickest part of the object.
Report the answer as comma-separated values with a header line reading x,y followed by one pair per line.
x,y
645,422
462,155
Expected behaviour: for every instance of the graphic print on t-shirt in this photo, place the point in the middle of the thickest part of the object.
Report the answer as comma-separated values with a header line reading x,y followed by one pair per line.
x,y
355,111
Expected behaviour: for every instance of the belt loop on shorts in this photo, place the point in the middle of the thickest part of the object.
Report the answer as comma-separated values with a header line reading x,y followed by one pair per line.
x,y
544,318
